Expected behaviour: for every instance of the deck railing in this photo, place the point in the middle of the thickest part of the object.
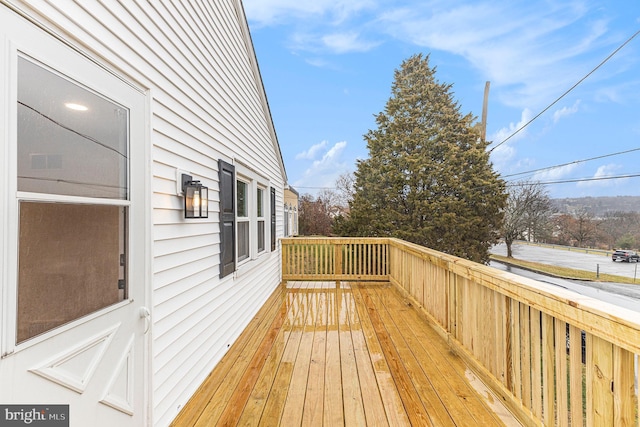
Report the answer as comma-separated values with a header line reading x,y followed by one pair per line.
x,y
554,357
335,259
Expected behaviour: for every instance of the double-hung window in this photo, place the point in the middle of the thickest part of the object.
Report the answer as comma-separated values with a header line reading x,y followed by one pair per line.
x,y
243,220
244,212
260,218
250,214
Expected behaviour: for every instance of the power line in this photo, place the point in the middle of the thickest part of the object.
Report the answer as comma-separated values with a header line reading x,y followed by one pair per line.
x,y
519,183
316,188
567,181
566,92
516,183
572,163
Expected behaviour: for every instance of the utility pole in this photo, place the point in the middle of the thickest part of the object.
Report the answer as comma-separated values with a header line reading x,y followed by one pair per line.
x,y
484,111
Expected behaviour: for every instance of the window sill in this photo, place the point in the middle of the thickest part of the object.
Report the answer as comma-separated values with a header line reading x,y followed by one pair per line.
x,y
248,265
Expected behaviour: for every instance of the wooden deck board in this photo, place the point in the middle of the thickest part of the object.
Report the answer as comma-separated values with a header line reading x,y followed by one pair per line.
x,y
314,395
204,400
278,394
261,391
374,409
445,370
237,402
333,408
351,387
391,401
294,404
417,394
321,354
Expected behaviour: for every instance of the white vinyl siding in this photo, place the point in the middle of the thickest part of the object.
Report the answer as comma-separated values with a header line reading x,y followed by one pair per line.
x,y
206,103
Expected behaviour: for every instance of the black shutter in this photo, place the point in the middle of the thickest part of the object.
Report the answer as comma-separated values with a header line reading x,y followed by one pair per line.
x,y
226,173
273,219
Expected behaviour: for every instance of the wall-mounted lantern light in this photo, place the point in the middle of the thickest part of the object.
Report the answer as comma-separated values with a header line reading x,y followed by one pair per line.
x,y
196,198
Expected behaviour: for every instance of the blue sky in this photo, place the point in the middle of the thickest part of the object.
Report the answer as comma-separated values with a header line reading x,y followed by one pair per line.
x,y
327,67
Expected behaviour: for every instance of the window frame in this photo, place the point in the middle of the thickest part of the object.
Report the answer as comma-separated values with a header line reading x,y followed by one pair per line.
x,y
272,212
254,182
261,218
243,220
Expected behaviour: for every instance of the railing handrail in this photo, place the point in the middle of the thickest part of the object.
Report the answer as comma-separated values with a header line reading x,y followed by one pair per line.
x,y
309,258
333,240
564,304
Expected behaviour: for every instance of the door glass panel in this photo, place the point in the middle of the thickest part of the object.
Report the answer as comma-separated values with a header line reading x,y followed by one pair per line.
x,y
72,258
71,141
71,263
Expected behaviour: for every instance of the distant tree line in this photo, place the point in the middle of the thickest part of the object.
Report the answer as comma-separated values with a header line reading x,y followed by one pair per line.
x,y
529,214
616,230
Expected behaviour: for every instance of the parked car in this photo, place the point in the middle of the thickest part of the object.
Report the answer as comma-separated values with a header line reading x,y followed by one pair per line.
x,y
624,255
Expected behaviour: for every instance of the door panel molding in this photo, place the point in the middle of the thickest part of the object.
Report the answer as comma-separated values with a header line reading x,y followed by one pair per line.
x,y
120,389
75,367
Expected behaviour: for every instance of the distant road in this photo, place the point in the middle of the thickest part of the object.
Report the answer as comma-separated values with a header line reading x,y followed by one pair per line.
x,y
623,295
575,260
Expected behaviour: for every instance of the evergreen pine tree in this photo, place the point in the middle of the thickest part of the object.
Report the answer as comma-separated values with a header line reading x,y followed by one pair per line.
x,y
428,178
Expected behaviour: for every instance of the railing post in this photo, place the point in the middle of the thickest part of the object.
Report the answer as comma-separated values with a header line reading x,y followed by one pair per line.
x,y
600,386
285,269
451,303
624,387
337,256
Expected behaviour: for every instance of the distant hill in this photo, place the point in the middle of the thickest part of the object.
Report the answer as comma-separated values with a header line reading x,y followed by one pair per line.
x,y
598,206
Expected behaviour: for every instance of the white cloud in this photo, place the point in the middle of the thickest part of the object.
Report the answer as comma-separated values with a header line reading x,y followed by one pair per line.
x,y
330,158
502,156
603,171
319,62
347,42
271,12
504,153
319,26
609,94
335,42
565,111
506,132
555,173
515,45
325,171
520,46
619,93
312,152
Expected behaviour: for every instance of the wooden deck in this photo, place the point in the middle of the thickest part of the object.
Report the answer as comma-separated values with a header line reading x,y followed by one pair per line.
x,y
353,354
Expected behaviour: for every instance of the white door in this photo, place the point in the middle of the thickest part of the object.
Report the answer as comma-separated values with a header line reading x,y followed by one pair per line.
x,y
74,252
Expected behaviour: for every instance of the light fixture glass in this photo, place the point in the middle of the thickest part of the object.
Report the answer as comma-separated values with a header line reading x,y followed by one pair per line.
x,y
76,107
196,198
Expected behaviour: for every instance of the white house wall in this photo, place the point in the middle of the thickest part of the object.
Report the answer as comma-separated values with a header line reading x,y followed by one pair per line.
x,y
206,103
